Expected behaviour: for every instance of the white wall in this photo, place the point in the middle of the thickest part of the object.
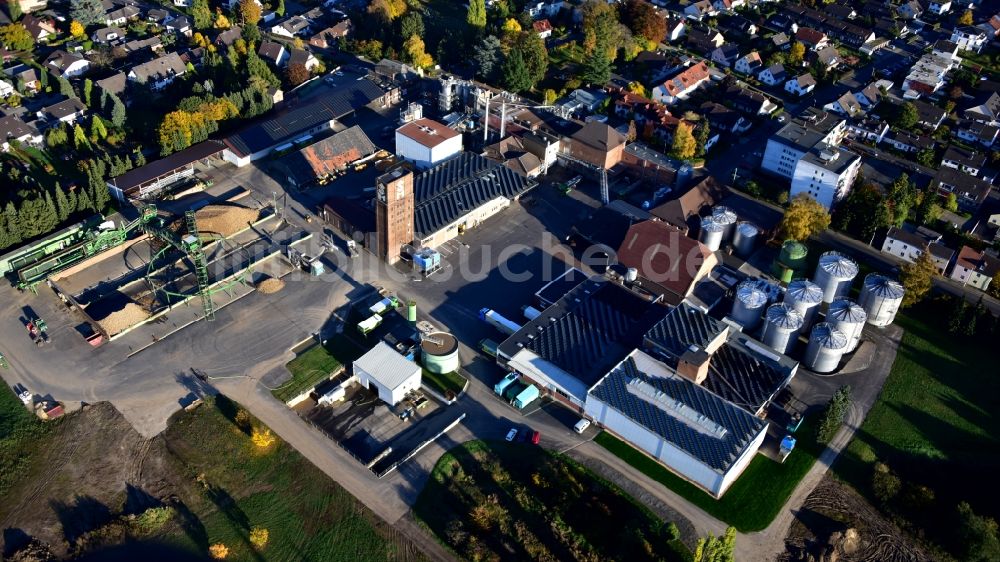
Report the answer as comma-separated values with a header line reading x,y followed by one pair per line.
x,y
780,159
824,186
391,396
424,157
471,219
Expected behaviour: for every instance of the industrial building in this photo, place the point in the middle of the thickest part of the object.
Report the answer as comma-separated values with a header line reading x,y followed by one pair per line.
x,y
668,263
149,181
326,157
697,434
426,143
388,373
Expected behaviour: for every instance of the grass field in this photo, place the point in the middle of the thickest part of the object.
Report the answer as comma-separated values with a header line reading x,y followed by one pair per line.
x,y
315,364
935,425
501,501
445,382
20,430
756,497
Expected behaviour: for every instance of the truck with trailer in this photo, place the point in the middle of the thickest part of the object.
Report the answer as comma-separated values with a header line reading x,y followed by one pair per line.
x,y
489,347
498,321
366,326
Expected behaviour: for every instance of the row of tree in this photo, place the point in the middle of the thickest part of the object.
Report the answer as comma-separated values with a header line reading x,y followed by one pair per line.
x,y
31,217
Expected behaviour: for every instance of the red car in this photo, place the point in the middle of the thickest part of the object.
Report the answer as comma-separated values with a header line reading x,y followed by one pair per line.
x,y
535,437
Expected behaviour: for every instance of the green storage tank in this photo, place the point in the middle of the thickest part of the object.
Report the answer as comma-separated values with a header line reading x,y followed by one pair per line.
x,y
411,311
791,261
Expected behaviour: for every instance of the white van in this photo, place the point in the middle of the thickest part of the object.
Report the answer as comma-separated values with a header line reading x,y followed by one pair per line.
x,y
581,425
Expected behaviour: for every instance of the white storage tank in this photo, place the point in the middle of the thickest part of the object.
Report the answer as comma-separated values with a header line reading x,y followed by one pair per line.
x,y
745,239
781,327
749,304
440,352
631,274
727,218
881,297
834,274
848,317
827,346
711,233
805,296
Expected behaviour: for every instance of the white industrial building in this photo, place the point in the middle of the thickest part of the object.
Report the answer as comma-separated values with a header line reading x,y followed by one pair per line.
x,y
701,437
426,142
807,152
384,370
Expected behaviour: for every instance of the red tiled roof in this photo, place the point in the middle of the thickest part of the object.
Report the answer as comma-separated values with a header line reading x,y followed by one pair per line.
x,y
542,26
687,79
810,35
663,255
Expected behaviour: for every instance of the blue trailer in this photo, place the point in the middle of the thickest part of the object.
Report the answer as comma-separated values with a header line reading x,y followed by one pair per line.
x,y
504,383
527,396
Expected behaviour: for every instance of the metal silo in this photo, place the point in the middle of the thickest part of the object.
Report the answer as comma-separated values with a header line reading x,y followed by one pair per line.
x,y
881,297
826,347
745,239
727,218
848,317
805,296
834,274
711,233
749,304
781,327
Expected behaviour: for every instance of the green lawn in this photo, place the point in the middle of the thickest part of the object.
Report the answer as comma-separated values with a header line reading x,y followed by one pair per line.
x,y
315,364
756,497
19,432
443,383
503,501
935,425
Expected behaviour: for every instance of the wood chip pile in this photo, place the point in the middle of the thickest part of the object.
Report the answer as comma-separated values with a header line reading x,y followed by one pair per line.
x,y
121,320
270,285
225,220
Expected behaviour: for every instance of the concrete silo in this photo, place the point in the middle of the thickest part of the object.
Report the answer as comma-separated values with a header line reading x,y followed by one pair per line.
x,y
745,239
440,352
848,317
781,327
805,296
834,274
827,346
711,233
881,297
727,218
749,304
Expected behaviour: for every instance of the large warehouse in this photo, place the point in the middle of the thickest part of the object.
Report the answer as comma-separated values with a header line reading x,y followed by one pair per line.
x,y
700,436
384,370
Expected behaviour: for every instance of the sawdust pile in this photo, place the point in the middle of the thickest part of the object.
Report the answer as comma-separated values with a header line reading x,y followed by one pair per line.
x,y
270,285
225,220
120,320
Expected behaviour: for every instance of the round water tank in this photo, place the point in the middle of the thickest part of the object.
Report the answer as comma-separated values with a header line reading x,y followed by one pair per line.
x,y
745,239
834,274
805,296
826,347
411,311
727,218
749,304
793,254
881,297
781,327
711,233
440,352
631,274
848,317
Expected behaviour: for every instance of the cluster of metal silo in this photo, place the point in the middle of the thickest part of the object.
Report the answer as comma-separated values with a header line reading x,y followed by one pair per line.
x,y
712,233
826,347
805,297
745,239
782,324
749,304
834,274
881,297
727,218
848,317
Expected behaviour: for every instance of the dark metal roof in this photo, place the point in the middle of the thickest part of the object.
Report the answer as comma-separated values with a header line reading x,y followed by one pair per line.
x,y
683,327
681,412
290,124
743,378
558,287
153,170
453,188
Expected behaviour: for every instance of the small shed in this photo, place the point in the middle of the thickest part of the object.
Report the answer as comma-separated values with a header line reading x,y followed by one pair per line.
x,y
384,370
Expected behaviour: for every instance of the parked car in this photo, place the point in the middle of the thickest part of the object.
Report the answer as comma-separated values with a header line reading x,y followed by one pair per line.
x,y
581,425
512,434
536,436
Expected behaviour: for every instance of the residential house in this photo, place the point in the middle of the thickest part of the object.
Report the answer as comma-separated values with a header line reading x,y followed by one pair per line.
x,y
41,28
976,268
939,7
12,128
911,9
739,26
681,85
597,144
114,84
749,102
66,111
812,38
273,52
675,29
800,85
294,26
183,3
728,5
991,26
773,75
868,129
228,37
543,28
909,142
704,41
749,63
158,73
304,58
154,44
66,65
970,192
946,49
121,16
846,105
871,95
6,89
928,75
158,16
828,57
328,37
721,118
181,25
966,161
107,34
28,6
700,10
909,246
928,115
781,41
977,132
969,38
27,75
986,110
726,55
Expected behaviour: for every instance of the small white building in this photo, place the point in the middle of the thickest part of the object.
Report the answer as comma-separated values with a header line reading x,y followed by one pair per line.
x,y
969,38
909,245
939,7
387,372
426,142
801,85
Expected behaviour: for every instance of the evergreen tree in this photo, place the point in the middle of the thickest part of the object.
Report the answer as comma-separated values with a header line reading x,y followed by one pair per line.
x,y
280,10
957,317
536,56
476,16
411,24
596,68
83,202
12,224
87,12
140,158
515,73
201,14
63,206
14,10
88,90
486,54
117,112
701,133
97,129
79,138
65,88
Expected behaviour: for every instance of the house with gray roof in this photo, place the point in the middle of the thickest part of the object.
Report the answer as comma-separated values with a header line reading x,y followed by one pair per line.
x,y
158,73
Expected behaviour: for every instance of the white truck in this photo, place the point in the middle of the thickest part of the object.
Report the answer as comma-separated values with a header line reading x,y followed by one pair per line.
x,y
498,321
